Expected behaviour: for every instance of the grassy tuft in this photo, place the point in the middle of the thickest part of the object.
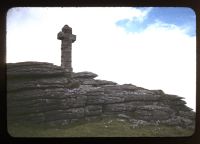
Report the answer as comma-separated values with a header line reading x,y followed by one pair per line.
x,y
73,84
102,128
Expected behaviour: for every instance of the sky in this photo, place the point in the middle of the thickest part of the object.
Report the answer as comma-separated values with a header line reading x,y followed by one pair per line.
x,y
150,47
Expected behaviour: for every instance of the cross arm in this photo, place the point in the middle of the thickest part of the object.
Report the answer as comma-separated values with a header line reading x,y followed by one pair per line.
x,y
60,36
73,38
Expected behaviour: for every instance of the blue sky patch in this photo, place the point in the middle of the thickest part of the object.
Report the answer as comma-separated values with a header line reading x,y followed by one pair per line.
x,y
182,17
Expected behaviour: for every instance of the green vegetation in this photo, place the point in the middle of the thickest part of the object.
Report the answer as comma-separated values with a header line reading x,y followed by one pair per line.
x,y
102,128
72,84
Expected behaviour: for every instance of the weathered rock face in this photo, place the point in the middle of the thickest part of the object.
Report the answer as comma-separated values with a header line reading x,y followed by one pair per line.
x,y
33,69
43,93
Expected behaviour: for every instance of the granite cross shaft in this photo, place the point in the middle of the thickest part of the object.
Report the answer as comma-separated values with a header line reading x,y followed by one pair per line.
x,y
66,47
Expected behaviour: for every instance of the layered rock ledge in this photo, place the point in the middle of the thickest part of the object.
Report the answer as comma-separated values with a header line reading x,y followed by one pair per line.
x,y
44,93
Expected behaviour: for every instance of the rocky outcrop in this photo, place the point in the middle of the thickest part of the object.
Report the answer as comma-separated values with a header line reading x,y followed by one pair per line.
x,y
33,69
84,75
45,93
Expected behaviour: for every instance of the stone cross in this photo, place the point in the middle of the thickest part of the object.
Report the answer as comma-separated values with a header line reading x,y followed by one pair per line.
x,y
66,47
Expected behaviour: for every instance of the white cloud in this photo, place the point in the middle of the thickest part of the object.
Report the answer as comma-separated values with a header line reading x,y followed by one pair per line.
x,y
160,57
